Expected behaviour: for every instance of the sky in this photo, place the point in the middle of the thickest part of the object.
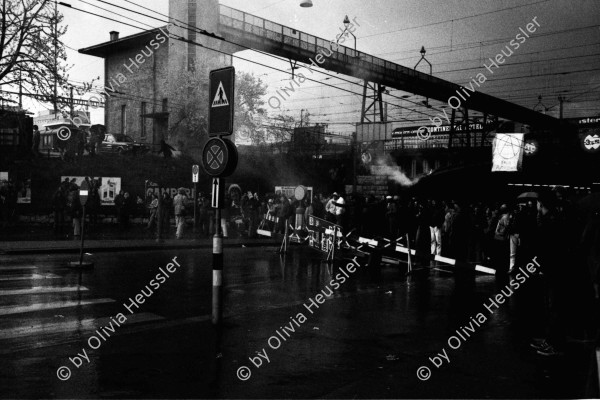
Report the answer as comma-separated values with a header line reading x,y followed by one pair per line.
x,y
562,58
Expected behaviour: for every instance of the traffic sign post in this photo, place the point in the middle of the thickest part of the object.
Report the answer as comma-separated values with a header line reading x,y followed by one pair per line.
x,y
195,172
83,198
219,160
221,99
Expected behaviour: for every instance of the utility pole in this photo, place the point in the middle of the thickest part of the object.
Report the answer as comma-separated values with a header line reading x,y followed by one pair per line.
x,y
561,100
55,57
354,155
71,102
20,89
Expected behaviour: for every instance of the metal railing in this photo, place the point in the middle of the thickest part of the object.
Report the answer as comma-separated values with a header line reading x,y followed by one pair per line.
x,y
249,23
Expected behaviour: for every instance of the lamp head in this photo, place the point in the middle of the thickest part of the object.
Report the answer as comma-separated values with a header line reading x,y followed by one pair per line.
x,y
346,21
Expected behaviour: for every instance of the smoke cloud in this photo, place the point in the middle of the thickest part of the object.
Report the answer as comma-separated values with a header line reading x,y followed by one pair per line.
x,y
385,165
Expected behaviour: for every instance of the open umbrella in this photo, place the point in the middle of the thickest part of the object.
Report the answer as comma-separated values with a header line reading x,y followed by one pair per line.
x,y
528,196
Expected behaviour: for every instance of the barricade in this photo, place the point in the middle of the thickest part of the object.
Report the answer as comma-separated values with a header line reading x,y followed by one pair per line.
x,y
264,224
368,243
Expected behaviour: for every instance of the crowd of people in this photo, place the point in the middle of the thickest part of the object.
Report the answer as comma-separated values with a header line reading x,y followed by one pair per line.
x,y
67,209
564,239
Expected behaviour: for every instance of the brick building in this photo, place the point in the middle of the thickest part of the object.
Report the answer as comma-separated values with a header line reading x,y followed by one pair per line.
x,y
147,75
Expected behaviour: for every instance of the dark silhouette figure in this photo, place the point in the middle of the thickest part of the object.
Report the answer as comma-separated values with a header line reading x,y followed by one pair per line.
x,y
166,149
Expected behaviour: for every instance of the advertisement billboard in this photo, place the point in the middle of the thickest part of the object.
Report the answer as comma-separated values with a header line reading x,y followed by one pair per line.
x,y
108,190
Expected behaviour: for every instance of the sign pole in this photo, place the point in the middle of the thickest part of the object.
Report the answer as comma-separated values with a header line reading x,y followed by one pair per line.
x,y
83,198
82,236
195,172
217,292
195,205
159,214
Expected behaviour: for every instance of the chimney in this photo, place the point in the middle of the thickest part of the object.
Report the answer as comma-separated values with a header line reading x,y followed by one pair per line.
x,y
114,35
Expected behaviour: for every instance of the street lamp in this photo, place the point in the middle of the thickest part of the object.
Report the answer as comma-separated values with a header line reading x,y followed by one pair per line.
x,y
347,25
306,3
426,102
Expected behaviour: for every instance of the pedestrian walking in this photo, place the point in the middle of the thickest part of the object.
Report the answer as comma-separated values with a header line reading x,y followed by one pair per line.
x,y
435,228
391,216
153,209
502,240
552,256
340,209
165,213
330,209
179,205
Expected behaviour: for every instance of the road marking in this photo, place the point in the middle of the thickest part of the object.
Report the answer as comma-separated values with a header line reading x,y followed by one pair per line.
x,y
88,324
28,267
29,277
138,327
9,310
19,268
43,289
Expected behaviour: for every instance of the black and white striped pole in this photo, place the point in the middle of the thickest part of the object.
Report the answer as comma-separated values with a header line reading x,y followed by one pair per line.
x,y
217,290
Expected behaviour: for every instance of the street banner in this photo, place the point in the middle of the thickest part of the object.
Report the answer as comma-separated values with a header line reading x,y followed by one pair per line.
x,y
152,188
507,152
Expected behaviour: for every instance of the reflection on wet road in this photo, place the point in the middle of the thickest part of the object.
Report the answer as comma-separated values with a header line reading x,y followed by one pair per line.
x,y
366,339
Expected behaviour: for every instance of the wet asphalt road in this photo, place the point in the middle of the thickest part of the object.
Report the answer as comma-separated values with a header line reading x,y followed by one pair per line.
x,y
367,340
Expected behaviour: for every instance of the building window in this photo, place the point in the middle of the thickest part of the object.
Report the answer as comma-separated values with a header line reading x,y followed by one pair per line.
x,y
123,119
165,105
143,121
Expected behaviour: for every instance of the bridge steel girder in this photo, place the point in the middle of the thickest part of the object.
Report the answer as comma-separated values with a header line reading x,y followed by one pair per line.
x,y
389,74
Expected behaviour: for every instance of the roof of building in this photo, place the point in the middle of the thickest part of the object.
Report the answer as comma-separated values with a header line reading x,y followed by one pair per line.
x,y
125,43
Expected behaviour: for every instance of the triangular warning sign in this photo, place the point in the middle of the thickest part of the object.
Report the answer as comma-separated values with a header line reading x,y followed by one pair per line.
x,y
220,99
